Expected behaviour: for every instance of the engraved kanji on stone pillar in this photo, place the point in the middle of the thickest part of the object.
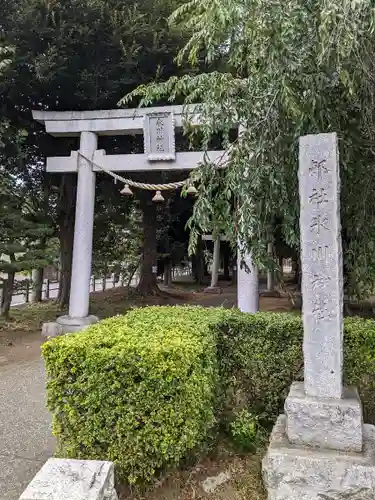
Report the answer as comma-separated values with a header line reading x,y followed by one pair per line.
x,y
321,255
159,136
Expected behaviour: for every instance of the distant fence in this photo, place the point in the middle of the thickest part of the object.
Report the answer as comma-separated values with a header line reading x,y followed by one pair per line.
x,y
50,289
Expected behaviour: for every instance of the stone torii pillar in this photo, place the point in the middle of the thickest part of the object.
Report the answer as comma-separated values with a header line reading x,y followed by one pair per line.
x,y
247,272
247,278
83,234
78,316
216,264
247,284
270,274
214,286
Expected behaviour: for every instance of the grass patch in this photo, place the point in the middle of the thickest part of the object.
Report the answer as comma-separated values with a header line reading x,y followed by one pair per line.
x,y
29,318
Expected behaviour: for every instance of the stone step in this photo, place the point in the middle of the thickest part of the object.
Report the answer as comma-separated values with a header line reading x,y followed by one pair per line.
x,y
306,494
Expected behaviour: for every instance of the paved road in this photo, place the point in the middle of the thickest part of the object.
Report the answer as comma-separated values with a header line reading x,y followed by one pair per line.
x,y
25,437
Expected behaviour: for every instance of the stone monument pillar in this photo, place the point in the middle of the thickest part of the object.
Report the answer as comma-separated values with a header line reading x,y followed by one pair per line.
x,y
320,448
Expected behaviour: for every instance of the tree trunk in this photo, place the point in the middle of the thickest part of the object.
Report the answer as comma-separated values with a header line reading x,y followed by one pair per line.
x,y
198,264
37,282
234,271
6,297
226,258
296,267
147,284
168,273
281,269
66,235
270,272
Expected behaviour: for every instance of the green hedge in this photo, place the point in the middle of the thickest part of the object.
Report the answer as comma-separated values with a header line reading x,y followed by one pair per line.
x,y
139,390
359,361
144,389
261,354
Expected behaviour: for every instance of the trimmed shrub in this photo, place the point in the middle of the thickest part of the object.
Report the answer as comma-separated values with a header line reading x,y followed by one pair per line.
x,y
144,389
260,356
359,361
138,390
246,433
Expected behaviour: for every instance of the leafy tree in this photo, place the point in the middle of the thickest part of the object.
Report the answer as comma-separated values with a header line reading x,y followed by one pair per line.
x,y
292,68
6,54
20,236
18,232
79,54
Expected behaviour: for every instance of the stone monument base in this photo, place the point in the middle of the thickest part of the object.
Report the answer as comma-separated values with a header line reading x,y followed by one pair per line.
x,y
334,424
294,472
66,324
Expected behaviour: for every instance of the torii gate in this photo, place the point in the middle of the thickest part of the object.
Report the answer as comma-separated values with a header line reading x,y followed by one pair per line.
x,y
158,126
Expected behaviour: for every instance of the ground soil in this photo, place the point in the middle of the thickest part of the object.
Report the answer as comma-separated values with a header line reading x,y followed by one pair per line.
x,y
19,346
244,481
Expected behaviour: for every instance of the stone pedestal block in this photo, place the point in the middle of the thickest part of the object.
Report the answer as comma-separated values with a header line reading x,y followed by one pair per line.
x,y
61,479
66,324
334,424
71,325
293,472
51,330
